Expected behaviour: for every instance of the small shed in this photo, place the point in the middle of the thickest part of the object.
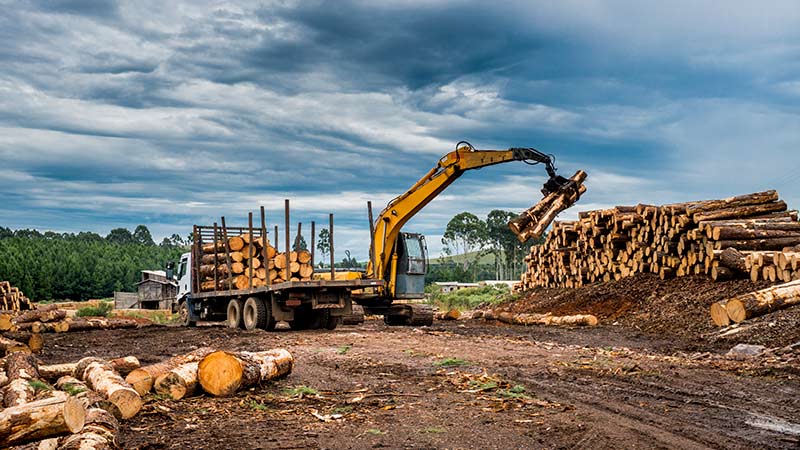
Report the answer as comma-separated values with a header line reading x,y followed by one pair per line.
x,y
155,291
450,286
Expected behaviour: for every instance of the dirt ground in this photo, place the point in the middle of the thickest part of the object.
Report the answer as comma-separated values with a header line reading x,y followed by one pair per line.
x,y
467,384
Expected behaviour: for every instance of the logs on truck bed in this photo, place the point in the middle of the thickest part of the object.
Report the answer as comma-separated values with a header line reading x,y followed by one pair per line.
x,y
223,374
142,379
51,417
757,303
669,240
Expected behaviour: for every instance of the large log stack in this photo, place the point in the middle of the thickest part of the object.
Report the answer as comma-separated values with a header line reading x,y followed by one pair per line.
x,y
12,299
669,240
249,261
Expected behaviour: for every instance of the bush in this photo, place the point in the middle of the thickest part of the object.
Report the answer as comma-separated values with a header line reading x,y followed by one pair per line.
x,y
103,309
470,298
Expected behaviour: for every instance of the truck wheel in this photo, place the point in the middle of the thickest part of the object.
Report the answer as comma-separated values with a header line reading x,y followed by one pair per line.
x,y
254,314
183,315
235,307
333,322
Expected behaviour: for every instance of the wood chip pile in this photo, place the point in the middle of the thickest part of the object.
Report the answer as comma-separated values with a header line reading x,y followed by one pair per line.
x,y
669,240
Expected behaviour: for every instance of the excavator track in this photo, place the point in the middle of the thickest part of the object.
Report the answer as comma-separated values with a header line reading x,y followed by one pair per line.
x,y
409,315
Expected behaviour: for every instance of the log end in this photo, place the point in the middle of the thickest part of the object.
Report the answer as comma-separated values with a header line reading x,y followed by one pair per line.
x,y
736,310
74,414
719,314
140,380
170,385
220,374
128,402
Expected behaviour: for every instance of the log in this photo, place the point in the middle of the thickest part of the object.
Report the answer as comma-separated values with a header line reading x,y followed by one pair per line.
x,y
303,256
733,259
51,417
757,244
11,346
545,319
721,273
18,392
223,374
97,323
41,315
36,342
179,382
731,202
719,314
101,377
99,432
21,365
306,271
452,314
235,243
142,379
740,211
764,301
734,232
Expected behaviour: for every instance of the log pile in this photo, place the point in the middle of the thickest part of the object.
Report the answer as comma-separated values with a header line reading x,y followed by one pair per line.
x,y
249,261
669,240
78,405
12,299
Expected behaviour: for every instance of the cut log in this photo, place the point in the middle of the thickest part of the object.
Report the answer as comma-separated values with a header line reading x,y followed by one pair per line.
x,y
306,271
452,314
235,243
99,432
41,315
142,379
740,211
101,377
179,382
11,346
55,416
303,256
36,342
733,259
719,315
721,273
81,391
21,365
731,202
97,323
546,319
732,233
18,392
757,244
764,301
223,374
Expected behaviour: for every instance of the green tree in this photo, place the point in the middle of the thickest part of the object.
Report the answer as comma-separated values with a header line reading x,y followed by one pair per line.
x,y
120,236
466,235
323,244
141,235
299,243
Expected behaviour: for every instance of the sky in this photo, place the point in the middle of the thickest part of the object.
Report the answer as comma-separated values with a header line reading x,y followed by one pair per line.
x,y
168,114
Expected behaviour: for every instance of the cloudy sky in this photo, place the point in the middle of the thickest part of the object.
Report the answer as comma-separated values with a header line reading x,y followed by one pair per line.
x,y
170,113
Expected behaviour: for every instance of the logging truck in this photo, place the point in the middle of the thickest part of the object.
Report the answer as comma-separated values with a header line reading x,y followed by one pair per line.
x,y
236,274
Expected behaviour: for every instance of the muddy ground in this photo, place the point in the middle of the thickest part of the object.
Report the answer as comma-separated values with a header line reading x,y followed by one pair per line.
x,y
470,384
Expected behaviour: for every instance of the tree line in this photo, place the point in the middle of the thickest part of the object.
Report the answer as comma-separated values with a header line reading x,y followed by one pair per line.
x,y
468,238
85,265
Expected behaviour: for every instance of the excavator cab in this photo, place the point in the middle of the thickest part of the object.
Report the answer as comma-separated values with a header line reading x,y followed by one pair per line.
x,y
412,264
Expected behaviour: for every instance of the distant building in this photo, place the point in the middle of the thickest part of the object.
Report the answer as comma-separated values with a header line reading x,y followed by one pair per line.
x,y
450,286
155,291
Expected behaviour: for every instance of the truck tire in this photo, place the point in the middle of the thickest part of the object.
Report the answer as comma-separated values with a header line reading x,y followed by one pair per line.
x,y
235,307
254,314
183,314
333,322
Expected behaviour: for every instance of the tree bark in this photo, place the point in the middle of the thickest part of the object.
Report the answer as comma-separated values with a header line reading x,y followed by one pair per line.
x,y
740,211
731,233
732,202
223,374
41,419
756,244
11,346
40,315
179,382
101,377
142,379
733,259
764,301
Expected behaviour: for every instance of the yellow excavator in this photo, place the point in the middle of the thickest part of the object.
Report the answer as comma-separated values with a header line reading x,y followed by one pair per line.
x,y
400,259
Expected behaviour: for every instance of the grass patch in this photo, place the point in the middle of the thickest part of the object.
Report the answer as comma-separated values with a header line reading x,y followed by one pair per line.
x,y
103,309
470,298
451,362
37,386
342,410
343,349
256,405
301,391
73,390
159,318
375,431
515,392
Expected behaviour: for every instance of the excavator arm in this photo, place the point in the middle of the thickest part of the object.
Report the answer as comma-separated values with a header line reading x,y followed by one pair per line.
x,y
450,167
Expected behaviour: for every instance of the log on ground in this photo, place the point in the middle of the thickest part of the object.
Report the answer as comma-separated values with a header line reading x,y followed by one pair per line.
x,y
223,374
99,432
101,377
142,379
764,301
179,382
51,417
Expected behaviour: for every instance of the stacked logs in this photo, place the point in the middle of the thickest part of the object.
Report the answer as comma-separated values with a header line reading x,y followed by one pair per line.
x,y
247,258
669,240
51,319
12,299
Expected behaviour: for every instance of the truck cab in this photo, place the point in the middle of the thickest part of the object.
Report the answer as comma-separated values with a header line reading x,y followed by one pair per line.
x,y
412,264
184,277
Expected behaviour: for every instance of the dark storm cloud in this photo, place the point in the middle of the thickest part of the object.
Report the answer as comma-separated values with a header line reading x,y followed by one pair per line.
x,y
117,113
